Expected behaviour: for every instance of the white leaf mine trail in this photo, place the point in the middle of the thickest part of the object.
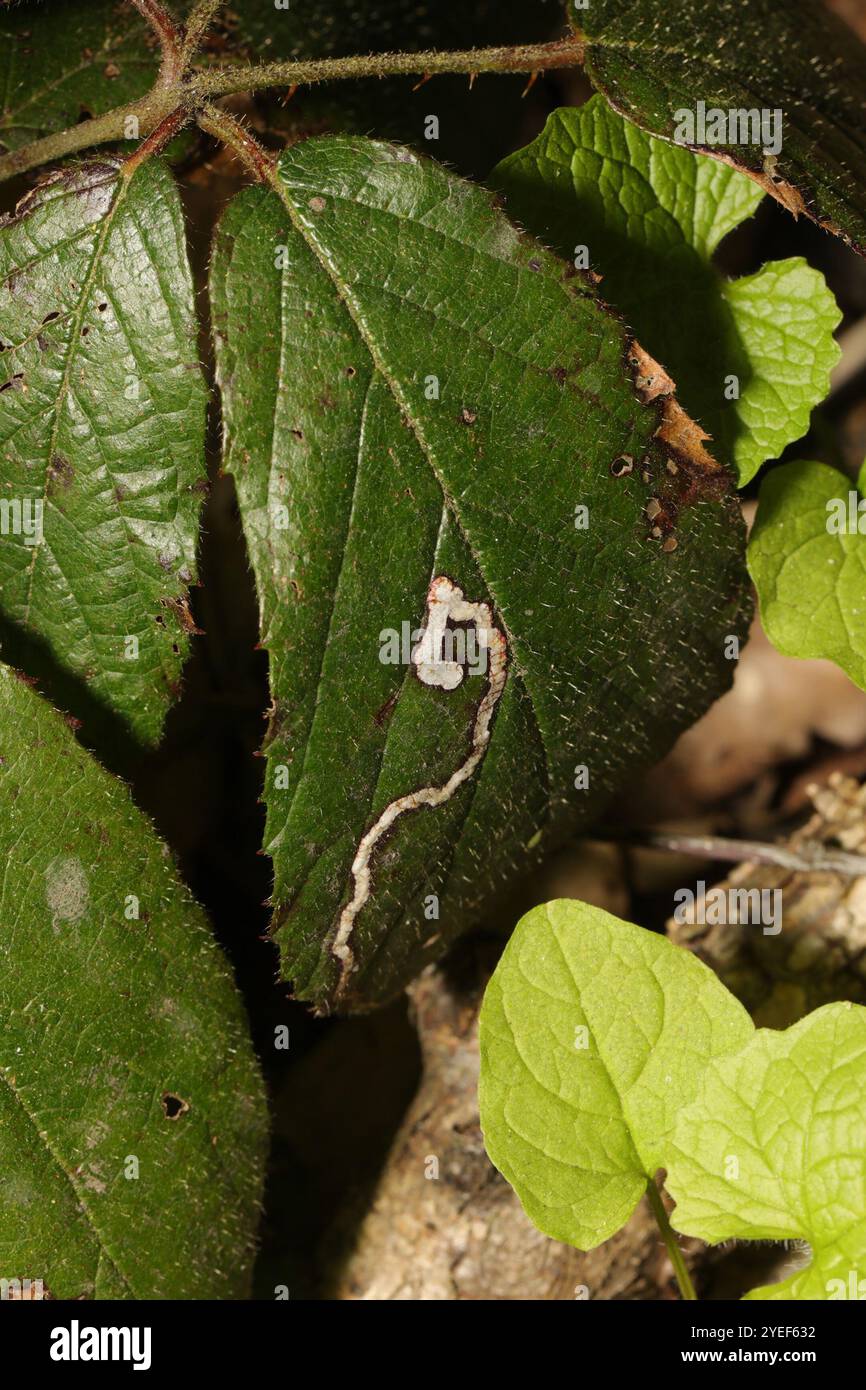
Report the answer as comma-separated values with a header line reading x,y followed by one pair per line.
x,y
445,603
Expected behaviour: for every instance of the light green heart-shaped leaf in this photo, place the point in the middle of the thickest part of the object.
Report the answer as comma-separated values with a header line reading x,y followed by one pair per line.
x,y
132,1115
415,390
750,357
102,423
594,1034
807,556
774,1148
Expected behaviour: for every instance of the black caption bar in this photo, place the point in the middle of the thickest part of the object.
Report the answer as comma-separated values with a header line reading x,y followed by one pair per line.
x,y
161,1339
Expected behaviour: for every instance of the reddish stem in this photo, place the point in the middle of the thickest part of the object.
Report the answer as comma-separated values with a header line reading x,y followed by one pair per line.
x,y
167,31
157,140
258,161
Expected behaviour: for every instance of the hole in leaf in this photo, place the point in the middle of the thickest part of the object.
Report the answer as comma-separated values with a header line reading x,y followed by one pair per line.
x,y
174,1106
622,465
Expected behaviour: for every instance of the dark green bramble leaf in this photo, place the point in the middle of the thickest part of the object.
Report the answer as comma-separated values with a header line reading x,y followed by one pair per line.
x,y
594,1035
774,1148
102,421
652,61
132,1118
750,357
62,62
413,389
807,556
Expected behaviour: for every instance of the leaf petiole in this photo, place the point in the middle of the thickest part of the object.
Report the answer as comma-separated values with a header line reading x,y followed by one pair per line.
x,y
198,24
226,128
163,25
684,1279
157,140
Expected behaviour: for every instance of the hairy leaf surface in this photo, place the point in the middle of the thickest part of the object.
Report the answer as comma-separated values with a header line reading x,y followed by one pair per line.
x,y
412,389
132,1120
750,357
594,1034
102,420
653,61
807,556
774,1148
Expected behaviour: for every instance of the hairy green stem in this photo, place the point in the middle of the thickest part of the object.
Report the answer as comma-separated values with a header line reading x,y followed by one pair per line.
x,y
198,24
684,1279
195,88
223,81
111,126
